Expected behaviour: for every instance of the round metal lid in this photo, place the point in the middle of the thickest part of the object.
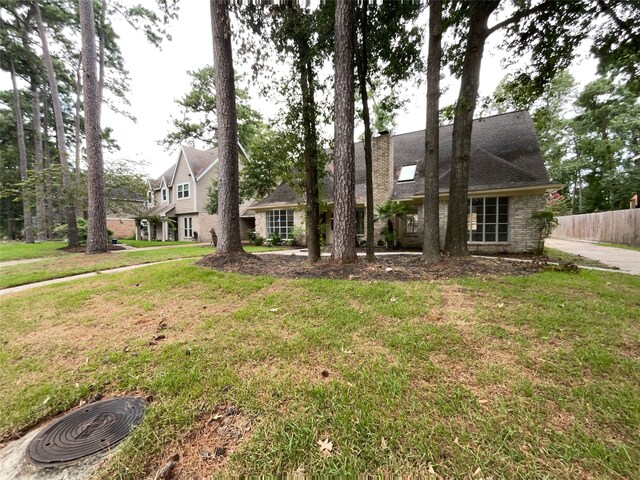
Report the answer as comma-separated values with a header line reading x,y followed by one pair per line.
x,y
85,431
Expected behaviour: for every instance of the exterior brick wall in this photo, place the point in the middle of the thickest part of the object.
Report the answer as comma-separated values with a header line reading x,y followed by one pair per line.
x,y
122,227
522,232
261,224
382,168
205,223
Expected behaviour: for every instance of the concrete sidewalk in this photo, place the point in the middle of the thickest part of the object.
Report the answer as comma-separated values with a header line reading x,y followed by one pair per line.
x,y
628,261
29,286
127,248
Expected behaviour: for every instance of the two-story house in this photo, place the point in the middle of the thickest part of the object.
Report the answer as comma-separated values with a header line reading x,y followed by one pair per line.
x,y
179,199
508,181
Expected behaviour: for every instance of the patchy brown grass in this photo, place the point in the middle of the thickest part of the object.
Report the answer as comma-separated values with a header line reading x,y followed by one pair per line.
x,y
206,449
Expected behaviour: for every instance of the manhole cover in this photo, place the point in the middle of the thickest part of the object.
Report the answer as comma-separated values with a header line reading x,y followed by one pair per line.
x,y
85,431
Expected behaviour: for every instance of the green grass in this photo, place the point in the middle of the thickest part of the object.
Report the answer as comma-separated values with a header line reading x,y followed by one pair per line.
x,y
619,245
21,250
520,377
560,256
77,263
146,243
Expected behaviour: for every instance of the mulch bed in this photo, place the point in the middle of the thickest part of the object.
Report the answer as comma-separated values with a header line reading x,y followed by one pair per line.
x,y
83,248
390,268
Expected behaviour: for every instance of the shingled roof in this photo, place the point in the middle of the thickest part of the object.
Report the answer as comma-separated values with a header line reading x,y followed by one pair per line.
x,y
504,154
198,161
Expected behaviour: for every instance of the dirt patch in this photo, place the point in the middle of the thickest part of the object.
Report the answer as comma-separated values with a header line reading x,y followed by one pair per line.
x,y
207,449
390,268
83,248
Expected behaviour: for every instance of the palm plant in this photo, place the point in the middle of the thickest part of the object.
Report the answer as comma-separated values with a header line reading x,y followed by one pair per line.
x,y
388,211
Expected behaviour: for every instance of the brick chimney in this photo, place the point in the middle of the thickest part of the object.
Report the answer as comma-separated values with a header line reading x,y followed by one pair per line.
x,y
382,167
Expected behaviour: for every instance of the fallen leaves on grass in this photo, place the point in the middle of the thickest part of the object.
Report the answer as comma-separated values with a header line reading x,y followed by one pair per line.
x,y
326,447
206,449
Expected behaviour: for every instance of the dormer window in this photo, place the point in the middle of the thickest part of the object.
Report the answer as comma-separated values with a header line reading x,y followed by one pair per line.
x,y
164,195
183,190
407,173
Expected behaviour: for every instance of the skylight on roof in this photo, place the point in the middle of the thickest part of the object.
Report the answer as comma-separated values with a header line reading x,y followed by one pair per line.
x,y
407,173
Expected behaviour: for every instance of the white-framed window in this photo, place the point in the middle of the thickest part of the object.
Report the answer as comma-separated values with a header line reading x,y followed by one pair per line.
x,y
183,190
488,219
188,227
407,173
164,195
280,222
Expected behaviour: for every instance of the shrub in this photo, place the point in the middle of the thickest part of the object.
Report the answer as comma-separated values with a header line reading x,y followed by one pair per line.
x,y
273,240
544,221
388,237
298,235
61,231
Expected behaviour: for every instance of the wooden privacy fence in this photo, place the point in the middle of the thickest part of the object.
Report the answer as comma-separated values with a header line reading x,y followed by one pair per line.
x,y
619,226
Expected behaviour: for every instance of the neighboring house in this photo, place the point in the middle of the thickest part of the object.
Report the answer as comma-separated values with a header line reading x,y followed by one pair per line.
x,y
123,206
179,197
507,183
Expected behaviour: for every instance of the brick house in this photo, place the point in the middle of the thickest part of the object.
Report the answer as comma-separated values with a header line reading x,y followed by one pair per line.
x,y
508,181
178,199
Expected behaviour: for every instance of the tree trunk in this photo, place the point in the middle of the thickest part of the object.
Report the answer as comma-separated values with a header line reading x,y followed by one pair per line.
x,y
41,212
11,235
456,236
103,16
77,123
362,59
97,228
344,247
312,210
431,241
22,154
228,183
72,228
47,164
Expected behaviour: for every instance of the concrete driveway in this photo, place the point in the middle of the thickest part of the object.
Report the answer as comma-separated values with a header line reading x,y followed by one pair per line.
x,y
627,261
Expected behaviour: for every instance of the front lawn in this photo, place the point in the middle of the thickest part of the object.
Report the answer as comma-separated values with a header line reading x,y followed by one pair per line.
x,y
510,377
21,250
76,263
153,243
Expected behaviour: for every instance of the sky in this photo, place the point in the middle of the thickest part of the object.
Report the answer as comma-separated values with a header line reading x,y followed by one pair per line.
x,y
159,77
